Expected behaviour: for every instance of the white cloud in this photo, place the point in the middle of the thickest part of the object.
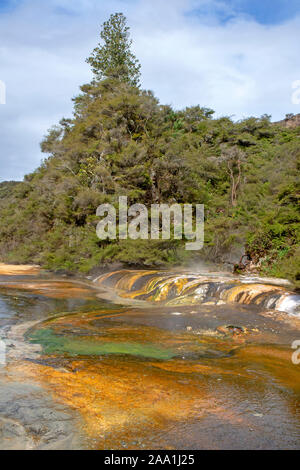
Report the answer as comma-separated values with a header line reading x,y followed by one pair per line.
x,y
238,68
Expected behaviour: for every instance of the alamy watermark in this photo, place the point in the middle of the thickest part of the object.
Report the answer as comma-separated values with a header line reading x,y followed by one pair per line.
x,y
296,93
296,354
137,222
2,353
2,92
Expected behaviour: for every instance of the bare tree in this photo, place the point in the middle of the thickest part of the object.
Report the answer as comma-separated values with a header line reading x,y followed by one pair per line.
x,y
234,158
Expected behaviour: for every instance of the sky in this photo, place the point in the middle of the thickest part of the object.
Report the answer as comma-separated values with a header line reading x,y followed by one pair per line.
x,y
238,57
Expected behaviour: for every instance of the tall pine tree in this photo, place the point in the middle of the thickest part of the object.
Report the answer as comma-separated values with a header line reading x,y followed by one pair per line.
x,y
113,57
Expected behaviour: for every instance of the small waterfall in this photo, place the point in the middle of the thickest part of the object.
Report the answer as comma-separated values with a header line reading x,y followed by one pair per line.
x,y
289,303
194,288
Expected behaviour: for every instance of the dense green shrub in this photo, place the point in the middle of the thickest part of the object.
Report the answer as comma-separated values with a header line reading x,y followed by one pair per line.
x,y
122,141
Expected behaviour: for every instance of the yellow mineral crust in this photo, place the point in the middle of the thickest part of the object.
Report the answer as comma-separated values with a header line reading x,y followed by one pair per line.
x,y
52,289
18,270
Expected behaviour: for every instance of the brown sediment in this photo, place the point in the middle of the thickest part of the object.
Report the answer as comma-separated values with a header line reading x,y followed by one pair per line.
x,y
19,270
282,317
128,399
274,361
52,289
216,370
124,399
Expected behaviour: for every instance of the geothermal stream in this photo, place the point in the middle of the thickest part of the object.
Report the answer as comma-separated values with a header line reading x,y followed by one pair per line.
x,y
148,360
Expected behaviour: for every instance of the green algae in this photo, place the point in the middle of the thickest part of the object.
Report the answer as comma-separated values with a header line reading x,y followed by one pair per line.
x,y
59,344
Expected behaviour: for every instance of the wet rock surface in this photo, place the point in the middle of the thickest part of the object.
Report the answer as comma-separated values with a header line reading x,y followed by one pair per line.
x,y
30,419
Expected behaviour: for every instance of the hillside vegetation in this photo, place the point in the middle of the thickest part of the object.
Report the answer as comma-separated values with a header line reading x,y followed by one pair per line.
x,y
122,141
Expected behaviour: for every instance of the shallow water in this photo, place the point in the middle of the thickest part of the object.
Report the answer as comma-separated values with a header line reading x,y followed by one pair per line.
x,y
153,372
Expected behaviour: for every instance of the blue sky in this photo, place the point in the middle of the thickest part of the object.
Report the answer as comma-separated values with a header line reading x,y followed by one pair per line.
x,y
8,5
263,11
268,11
239,57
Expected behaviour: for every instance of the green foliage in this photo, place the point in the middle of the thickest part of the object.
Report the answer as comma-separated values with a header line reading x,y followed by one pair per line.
x,y
121,141
114,58
6,187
